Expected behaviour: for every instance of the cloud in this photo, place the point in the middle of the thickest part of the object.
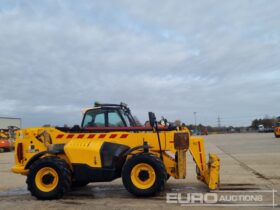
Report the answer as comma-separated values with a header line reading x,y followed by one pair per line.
x,y
172,57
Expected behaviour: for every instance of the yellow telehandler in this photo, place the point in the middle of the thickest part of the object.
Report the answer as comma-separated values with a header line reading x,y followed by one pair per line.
x,y
106,146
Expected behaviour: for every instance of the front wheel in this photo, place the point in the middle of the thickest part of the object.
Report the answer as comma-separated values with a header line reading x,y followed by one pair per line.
x,y
144,175
49,178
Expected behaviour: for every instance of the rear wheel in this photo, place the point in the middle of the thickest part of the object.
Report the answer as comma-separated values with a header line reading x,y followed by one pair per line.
x,y
49,178
144,174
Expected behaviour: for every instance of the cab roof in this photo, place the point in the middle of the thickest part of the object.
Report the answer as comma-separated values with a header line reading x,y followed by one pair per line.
x,y
98,105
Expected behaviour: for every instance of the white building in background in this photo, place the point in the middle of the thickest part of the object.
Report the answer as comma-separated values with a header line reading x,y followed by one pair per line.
x,y
5,122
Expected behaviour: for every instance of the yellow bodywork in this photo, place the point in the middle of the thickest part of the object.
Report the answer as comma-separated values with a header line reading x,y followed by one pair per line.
x,y
277,131
84,148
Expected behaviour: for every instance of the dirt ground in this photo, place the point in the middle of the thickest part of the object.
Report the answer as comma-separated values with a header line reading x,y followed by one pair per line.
x,y
249,162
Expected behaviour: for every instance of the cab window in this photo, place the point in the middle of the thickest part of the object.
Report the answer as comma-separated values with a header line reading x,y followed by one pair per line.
x,y
87,120
99,120
94,118
114,119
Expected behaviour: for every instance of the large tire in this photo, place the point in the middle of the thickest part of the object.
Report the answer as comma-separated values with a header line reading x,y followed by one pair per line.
x,y
49,178
144,175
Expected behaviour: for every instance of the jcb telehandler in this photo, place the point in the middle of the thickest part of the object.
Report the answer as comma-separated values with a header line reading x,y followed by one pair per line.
x,y
109,145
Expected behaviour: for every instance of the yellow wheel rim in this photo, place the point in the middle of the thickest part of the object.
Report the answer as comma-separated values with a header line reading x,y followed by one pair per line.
x,y
143,176
46,179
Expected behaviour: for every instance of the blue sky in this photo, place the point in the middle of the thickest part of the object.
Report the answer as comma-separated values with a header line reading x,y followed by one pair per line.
x,y
216,58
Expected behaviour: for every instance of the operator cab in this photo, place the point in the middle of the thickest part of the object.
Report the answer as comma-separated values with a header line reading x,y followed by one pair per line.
x,y
108,115
112,117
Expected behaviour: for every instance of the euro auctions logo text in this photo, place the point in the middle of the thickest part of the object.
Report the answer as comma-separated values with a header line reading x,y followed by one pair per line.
x,y
209,198
223,198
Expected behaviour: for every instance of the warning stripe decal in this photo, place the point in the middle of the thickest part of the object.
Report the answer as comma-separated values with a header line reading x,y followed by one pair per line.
x,y
80,136
70,136
102,136
123,136
112,136
200,155
91,136
59,136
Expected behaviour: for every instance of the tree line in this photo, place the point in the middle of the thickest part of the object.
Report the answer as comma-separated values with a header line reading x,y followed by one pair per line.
x,y
266,122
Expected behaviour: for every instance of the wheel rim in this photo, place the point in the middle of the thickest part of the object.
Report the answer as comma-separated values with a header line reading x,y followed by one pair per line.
x,y
46,179
143,176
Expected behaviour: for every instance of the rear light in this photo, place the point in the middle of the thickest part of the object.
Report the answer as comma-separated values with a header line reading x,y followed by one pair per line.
x,y
19,152
181,140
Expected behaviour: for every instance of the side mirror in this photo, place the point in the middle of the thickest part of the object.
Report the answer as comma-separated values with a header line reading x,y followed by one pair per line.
x,y
152,118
